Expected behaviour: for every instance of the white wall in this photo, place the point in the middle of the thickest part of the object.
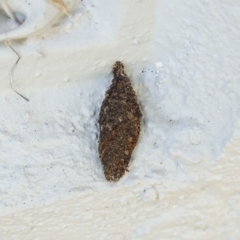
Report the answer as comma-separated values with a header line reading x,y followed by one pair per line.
x,y
182,58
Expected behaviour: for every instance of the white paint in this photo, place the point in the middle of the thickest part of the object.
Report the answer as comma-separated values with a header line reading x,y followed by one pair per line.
x,y
183,60
32,15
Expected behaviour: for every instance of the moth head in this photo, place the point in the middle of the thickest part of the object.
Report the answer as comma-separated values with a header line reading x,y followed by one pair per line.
x,y
118,69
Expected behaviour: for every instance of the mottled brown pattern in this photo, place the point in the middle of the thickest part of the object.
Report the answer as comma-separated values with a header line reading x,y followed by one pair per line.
x,y
119,122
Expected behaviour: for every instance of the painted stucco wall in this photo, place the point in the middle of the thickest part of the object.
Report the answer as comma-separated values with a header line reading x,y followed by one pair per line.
x,y
184,181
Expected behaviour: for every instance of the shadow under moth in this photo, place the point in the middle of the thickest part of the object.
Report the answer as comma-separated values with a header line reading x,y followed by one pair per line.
x,y
119,123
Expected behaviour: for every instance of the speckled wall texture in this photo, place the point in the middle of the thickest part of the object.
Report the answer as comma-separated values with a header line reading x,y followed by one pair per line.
x,y
184,182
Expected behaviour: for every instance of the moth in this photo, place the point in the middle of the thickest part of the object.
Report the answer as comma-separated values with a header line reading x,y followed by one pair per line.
x,y
119,122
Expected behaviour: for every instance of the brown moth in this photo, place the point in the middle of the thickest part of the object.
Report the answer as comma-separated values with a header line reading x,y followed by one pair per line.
x,y
119,122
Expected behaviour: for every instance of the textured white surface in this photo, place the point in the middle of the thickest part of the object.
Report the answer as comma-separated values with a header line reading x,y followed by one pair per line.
x,y
182,57
29,17
206,208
